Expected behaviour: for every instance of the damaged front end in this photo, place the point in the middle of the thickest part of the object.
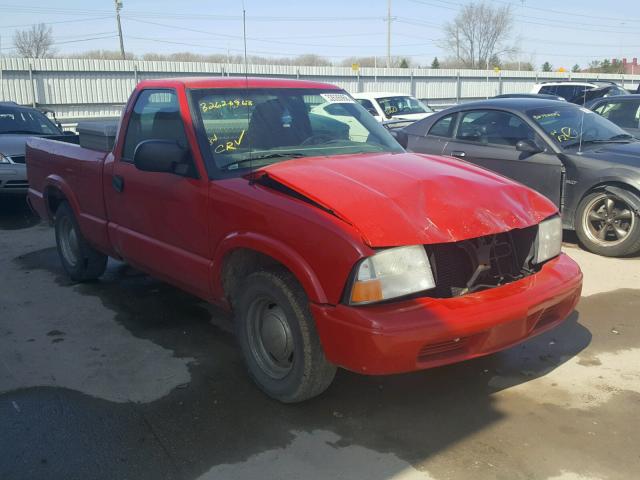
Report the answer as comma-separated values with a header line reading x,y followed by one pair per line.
x,y
481,263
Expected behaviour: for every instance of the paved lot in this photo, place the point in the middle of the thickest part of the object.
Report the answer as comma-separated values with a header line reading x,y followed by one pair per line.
x,y
129,378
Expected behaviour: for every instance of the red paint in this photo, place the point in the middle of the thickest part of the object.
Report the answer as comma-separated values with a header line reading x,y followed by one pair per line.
x,y
183,229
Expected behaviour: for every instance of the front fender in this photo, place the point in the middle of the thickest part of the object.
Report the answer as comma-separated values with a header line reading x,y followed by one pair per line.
x,y
275,249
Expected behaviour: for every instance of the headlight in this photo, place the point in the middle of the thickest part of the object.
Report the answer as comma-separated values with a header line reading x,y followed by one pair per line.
x,y
4,159
392,273
549,239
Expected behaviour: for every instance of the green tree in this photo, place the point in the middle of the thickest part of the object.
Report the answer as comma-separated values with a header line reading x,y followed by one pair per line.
x,y
547,67
435,63
575,68
404,63
605,66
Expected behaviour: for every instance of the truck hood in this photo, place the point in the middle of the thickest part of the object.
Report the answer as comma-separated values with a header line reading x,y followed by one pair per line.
x,y
409,198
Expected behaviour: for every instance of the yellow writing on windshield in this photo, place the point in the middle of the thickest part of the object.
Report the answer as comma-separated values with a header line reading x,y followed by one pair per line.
x,y
565,134
229,145
546,115
234,103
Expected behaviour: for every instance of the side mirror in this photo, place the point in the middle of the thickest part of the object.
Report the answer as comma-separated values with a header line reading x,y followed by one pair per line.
x,y
528,146
161,156
401,137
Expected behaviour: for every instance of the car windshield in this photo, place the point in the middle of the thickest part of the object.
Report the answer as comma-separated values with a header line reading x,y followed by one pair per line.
x,y
242,128
25,120
570,126
402,105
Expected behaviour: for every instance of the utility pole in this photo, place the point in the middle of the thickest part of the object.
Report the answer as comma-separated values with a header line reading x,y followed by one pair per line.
x,y
388,33
458,45
118,7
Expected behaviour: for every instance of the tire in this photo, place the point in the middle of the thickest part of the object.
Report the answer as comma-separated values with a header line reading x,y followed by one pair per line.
x,y
607,225
79,259
278,337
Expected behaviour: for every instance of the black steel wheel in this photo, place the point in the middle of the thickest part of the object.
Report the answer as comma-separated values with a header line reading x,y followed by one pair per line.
x,y
278,337
607,225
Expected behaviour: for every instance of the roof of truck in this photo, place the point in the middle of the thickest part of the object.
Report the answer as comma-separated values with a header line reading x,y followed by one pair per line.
x,y
235,82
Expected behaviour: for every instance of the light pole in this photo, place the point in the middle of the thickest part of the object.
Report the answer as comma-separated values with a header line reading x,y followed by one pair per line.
x,y
388,33
118,7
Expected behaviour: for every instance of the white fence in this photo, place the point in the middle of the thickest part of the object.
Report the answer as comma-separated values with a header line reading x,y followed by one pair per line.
x,y
84,88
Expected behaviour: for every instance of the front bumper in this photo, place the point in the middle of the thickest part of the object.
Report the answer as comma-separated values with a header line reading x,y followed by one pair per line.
x,y
428,332
13,179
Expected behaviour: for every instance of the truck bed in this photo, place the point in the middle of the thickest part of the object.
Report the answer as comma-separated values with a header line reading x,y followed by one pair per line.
x,y
78,173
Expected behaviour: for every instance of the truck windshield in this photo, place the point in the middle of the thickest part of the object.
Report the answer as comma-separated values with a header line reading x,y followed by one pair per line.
x,y
242,128
25,120
402,105
570,126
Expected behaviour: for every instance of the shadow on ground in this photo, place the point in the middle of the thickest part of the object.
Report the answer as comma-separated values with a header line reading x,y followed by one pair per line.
x,y
220,417
15,214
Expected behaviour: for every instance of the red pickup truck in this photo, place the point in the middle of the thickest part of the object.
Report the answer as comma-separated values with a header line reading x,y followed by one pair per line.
x,y
287,203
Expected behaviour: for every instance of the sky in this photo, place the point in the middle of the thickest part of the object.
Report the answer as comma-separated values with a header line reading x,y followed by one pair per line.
x,y
563,33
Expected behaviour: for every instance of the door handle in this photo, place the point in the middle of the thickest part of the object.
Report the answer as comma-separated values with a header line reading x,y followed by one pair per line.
x,y
458,154
117,182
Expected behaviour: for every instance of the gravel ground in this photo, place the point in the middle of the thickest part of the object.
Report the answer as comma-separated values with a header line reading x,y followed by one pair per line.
x,y
129,378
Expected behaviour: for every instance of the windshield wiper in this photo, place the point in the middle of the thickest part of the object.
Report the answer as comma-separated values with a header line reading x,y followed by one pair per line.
x,y
236,164
622,136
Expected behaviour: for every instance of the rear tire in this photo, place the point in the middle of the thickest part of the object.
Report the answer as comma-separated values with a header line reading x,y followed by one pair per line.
x,y
80,260
278,337
607,225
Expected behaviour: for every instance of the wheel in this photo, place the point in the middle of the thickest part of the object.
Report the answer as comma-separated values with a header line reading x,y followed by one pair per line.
x,y
80,260
606,225
279,341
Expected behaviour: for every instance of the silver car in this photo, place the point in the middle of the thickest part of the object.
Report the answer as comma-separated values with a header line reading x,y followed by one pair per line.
x,y
18,123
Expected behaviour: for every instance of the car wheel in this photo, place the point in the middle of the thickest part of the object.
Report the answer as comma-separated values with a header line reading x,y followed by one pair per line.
x,y
279,341
607,225
80,260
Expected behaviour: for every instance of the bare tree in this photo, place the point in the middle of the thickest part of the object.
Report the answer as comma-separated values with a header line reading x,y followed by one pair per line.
x,y
478,33
35,42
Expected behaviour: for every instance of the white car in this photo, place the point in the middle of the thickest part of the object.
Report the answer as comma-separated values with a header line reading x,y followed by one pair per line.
x,y
570,90
397,106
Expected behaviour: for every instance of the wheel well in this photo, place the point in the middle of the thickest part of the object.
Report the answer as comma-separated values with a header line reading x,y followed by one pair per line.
x,y
601,186
240,263
54,197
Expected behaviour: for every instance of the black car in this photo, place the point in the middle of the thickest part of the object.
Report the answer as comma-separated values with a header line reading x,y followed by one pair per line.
x,y
588,166
624,111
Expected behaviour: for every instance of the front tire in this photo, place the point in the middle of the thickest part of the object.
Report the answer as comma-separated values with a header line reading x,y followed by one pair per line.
x,y
607,225
279,341
80,260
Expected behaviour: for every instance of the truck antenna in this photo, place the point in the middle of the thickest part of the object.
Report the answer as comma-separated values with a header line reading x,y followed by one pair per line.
x,y
246,79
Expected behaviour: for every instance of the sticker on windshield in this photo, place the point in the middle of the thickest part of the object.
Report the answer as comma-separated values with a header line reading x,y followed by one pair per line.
x,y
337,98
546,115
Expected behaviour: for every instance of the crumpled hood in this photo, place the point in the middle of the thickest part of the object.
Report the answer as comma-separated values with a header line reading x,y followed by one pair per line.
x,y
409,198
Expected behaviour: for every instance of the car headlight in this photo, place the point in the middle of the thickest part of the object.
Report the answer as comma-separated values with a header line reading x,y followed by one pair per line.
x,y
4,159
391,273
549,239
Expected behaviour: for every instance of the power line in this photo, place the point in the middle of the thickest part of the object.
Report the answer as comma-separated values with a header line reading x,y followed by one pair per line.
x,y
55,23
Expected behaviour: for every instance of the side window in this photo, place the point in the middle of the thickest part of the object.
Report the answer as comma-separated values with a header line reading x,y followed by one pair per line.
x,y
494,127
548,89
443,127
368,106
156,115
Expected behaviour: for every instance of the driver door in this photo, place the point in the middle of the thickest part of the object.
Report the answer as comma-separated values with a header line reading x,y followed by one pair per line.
x,y
488,138
159,220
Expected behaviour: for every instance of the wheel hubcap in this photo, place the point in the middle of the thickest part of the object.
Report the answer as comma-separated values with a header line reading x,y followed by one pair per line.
x,y
270,338
69,244
608,220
